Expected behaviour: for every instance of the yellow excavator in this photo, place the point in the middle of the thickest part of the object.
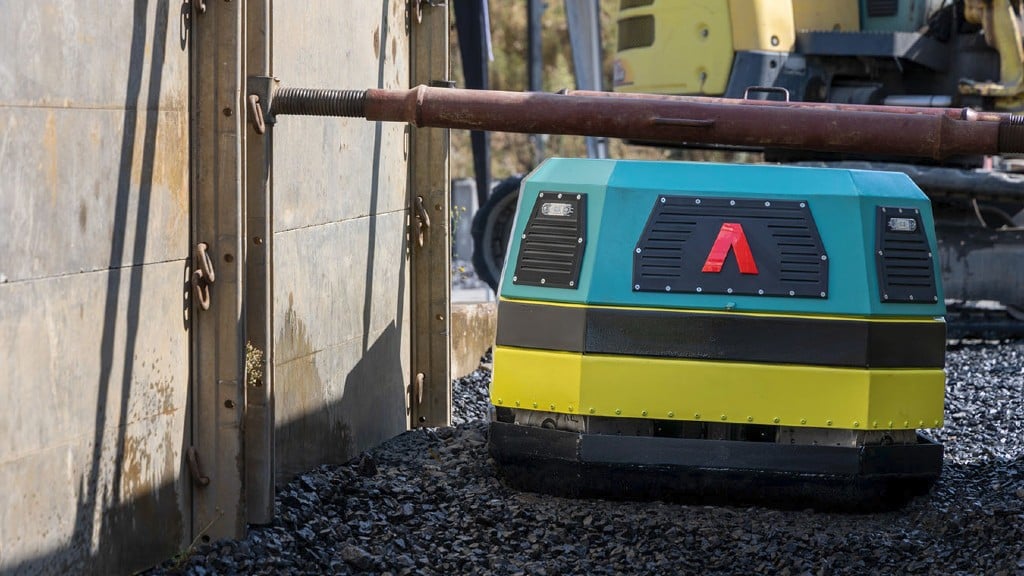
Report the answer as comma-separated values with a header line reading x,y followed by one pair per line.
x,y
899,52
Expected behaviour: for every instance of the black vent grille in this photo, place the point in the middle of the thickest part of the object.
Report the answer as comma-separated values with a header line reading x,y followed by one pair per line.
x,y
906,268
781,235
636,32
627,4
882,8
551,248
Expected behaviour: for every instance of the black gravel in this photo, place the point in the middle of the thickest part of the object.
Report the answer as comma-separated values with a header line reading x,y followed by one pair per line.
x,y
428,502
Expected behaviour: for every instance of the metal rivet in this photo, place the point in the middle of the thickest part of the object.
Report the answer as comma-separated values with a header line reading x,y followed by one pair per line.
x,y
543,281
792,293
699,289
534,404
500,401
696,415
229,403
226,111
822,294
890,423
803,205
592,410
906,423
569,408
856,424
775,420
732,202
724,417
638,250
824,257
515,278
552,406
579,196
524,236
767,203
936,422
618,411
920,423
697,201
760,292
517,403
541,194
668,288
662,199
257,240
643,412
879,252
828,422
559,196
803,420
579,240
728,290
571,283
671,414
874,424
750,418
636,286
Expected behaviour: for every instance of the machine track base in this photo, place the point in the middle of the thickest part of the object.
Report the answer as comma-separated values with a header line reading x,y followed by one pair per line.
x,y
826,478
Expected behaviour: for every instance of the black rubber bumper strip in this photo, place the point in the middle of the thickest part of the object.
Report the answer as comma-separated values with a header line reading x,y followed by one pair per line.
x,y
713,471
723,337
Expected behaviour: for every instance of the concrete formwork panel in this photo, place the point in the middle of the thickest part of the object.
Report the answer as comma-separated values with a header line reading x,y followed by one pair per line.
x,y
93,341
340,253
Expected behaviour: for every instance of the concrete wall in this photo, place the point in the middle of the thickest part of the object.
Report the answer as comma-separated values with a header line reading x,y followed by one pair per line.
x,y
94,247
94,220
341,269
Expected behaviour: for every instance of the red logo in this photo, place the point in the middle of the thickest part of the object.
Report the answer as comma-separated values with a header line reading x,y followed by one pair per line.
x,y
731,236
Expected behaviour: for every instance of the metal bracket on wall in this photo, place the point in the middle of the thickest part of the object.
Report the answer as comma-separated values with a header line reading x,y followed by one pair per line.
x,y
260,90
429,3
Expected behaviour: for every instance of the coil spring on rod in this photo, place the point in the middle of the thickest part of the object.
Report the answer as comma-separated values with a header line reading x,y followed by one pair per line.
x,y
320,102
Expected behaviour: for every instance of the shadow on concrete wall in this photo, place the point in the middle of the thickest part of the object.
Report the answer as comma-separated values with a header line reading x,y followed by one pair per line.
x,y
122,545
371,407
372,404
124,525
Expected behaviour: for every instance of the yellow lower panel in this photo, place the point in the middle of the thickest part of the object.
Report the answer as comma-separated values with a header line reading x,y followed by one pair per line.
x,y
717,391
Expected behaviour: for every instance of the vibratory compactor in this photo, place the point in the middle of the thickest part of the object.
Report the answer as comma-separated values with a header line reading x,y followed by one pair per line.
x,y
724,333
720,333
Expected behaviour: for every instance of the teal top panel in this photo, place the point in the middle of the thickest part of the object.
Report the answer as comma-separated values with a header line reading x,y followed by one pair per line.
x,y
621,195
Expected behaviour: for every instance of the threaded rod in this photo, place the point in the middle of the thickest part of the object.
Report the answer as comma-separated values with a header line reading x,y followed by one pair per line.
x,y
1011,134
320,102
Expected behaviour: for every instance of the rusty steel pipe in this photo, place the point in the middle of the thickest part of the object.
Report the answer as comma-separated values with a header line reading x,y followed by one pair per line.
x,y
932,133
955,113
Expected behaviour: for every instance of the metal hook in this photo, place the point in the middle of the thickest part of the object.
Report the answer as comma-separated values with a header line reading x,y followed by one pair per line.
x,y
256,113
